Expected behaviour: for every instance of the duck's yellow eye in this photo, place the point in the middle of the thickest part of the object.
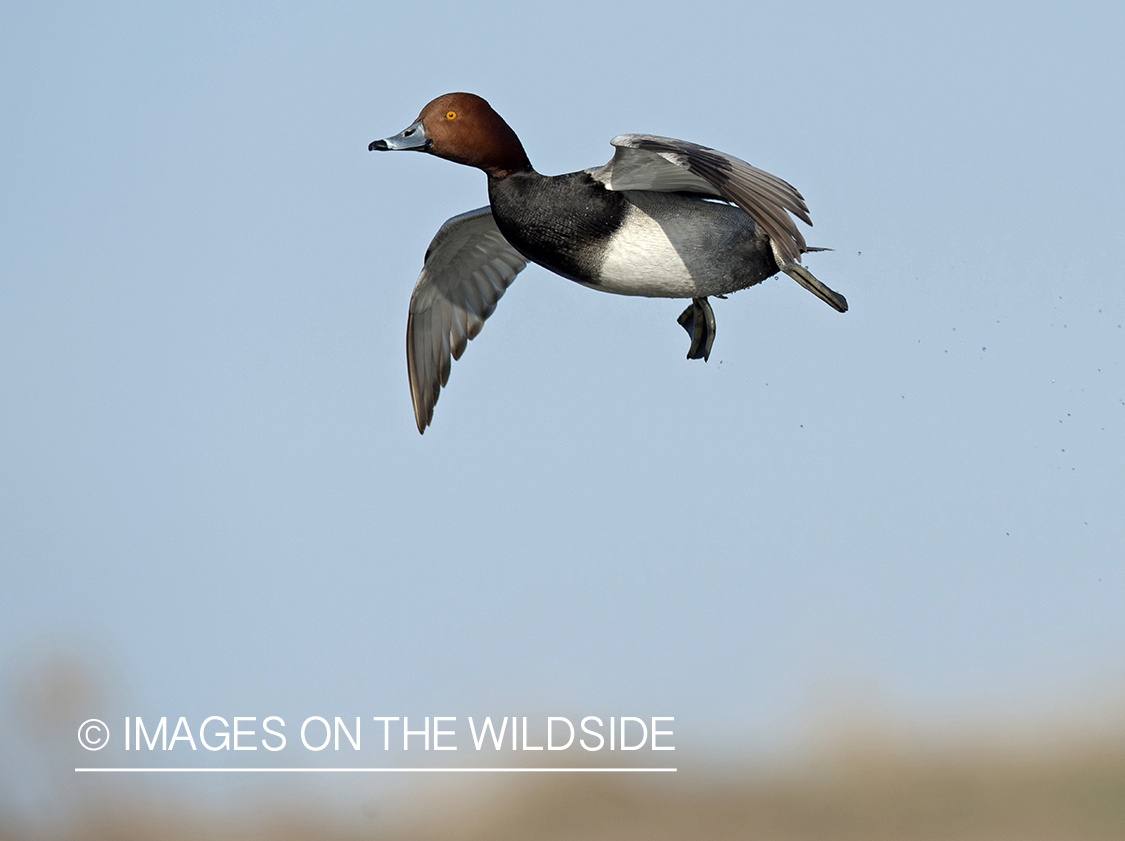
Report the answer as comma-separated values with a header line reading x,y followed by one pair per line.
x,y
451,115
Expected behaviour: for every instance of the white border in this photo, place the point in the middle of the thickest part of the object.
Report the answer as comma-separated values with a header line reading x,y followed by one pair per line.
x,y
372,770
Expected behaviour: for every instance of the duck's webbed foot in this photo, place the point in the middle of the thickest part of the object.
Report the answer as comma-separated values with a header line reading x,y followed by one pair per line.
x,y
699,321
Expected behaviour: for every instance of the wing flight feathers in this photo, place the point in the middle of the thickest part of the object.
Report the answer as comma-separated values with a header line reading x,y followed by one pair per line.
x,y
663,164
468,267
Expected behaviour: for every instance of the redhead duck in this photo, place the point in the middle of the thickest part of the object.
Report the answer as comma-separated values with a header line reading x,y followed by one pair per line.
x,y
646,223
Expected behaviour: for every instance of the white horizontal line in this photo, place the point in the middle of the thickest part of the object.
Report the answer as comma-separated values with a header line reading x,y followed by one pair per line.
x,y
370,770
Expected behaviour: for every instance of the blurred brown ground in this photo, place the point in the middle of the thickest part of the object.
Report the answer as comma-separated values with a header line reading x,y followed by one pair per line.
x,y
884,796
870,779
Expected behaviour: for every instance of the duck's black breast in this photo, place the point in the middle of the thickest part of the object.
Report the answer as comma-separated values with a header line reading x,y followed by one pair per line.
x,y
562,222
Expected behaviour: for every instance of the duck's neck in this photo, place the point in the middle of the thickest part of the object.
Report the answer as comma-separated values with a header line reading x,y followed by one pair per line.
x,y
499,151
509,165
498,175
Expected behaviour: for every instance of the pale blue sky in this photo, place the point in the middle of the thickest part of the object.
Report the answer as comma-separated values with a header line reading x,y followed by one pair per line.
x,y
209,469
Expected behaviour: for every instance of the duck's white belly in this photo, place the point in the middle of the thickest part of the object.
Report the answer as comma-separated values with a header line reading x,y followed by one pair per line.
x,y
672,246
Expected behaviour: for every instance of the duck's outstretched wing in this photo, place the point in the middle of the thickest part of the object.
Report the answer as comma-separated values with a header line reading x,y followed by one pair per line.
x,y
666,165
468,266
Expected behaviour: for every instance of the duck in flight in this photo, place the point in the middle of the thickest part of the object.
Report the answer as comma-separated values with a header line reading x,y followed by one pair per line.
x,y
664,218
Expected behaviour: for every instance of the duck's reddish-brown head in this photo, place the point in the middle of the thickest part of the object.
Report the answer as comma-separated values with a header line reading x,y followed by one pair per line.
x,y
463,128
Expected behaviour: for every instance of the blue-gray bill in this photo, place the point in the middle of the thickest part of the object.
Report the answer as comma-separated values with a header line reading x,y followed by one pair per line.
x,y
411,139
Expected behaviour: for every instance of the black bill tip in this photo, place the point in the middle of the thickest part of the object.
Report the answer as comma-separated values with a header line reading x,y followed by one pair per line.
x,y
378,146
